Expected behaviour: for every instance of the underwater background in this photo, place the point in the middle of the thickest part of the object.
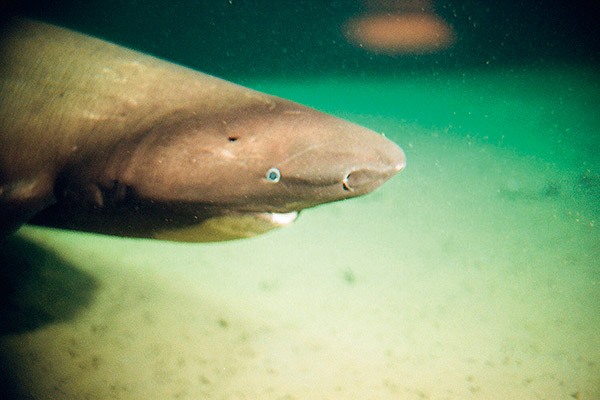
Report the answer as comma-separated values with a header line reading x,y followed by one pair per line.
x,y
473,274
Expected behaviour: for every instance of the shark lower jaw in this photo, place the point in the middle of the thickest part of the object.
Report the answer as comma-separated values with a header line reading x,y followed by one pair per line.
x,y
282,219
275,218
227,227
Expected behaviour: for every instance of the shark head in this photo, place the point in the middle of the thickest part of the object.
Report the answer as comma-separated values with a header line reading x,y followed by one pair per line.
x,y
282,157
192,177
255,169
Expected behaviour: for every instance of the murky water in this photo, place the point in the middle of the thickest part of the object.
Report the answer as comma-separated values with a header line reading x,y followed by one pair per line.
x,y
474,273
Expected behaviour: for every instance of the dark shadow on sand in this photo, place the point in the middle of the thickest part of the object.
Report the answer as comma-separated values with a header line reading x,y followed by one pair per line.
x,y
37,287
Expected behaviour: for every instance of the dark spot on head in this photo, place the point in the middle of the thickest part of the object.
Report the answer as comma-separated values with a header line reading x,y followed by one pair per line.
x,y
232,138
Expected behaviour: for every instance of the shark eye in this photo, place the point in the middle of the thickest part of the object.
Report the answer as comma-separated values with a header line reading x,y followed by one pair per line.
x,y
273,175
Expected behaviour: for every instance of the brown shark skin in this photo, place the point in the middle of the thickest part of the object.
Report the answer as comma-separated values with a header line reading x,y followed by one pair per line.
x,y
96,137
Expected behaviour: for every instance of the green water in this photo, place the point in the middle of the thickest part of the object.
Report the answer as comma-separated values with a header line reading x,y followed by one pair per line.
x,y
473,274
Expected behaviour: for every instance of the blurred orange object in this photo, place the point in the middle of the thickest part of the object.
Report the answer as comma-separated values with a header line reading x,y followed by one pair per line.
x,y
411,33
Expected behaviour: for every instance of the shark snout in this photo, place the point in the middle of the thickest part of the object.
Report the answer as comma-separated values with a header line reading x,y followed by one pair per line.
x,y
388,160
337,161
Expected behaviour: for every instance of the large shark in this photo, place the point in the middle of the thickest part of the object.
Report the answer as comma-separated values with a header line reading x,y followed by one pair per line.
x,y
100,138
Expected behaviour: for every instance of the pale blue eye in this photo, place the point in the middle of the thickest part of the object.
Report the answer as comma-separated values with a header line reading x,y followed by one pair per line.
x,y
273,175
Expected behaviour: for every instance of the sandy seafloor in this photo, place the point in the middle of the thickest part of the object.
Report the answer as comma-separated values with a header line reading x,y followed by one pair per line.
x,y
473,274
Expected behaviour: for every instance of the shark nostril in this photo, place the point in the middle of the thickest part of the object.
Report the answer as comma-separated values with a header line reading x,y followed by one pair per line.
x,y
360,178
345,185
